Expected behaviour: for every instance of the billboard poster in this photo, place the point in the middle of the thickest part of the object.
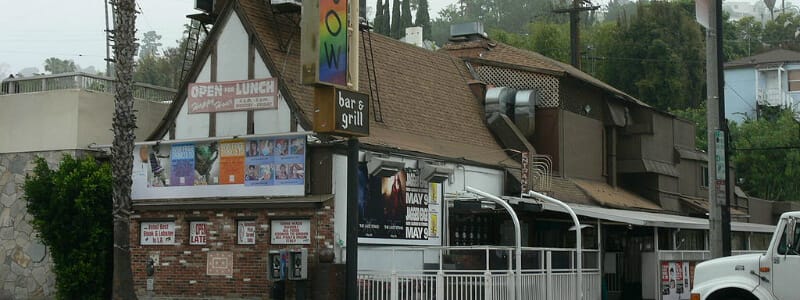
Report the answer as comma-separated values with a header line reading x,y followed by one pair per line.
x,y
157,233
268,166
400,209
255,94
291,232
198,233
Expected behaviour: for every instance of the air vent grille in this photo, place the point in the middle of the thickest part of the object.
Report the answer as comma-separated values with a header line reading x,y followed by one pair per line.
x,y
546,85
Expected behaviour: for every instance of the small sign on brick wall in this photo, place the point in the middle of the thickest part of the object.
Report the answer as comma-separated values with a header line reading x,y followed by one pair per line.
x,y
198,233
288,232
157,233
247,232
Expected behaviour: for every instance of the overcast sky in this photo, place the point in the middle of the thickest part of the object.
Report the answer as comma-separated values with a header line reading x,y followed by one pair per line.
x,y
34,30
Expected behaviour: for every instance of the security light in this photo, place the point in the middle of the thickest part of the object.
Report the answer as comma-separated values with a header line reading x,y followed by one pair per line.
x,y
383,166
436,173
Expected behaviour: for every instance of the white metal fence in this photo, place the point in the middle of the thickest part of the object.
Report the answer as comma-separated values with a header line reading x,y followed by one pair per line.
x,y
483,273
82,81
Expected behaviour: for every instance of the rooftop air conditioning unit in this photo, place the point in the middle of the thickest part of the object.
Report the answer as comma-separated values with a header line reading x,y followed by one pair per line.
x,y
206,6
286,5
470,29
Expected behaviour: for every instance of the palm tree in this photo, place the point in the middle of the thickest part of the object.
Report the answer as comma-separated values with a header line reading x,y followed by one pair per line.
x,y
123,124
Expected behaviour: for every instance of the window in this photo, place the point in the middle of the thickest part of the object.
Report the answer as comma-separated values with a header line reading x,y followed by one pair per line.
x,y
794,80
795,250
704,176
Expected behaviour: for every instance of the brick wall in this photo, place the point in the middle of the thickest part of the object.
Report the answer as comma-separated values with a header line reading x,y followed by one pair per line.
x,y
181,272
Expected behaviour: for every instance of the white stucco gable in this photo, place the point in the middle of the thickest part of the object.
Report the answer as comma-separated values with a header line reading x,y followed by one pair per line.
x,y
230,60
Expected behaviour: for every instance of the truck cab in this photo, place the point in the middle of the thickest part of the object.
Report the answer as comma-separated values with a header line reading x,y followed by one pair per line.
x,y
771,275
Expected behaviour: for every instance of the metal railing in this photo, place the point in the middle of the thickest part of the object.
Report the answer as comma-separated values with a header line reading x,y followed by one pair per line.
x,y
83,81
483,273
696,255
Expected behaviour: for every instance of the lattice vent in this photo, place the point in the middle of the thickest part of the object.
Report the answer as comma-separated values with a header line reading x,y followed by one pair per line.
x,y
547,85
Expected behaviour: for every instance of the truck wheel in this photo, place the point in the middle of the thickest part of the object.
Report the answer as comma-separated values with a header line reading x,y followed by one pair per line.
x,y
732,294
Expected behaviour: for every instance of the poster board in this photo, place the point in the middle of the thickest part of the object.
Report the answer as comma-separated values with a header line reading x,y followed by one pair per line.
x,y
259,167
291,232
402,209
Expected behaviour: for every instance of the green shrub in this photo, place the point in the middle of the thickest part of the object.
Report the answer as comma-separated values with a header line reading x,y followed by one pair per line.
x,y
71,208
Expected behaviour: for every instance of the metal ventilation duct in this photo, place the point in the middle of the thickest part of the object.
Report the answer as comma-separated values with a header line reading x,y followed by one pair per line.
x,y
499,100
525,111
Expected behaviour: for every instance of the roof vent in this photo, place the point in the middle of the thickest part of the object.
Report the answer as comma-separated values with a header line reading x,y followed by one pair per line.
x,y
524,111
500,100
471,30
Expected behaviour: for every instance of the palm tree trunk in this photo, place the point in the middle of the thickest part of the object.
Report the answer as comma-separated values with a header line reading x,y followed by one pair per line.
x,y
123,124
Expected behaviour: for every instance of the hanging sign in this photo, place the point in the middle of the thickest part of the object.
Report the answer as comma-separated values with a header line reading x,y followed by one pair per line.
x,y
341,112
329,43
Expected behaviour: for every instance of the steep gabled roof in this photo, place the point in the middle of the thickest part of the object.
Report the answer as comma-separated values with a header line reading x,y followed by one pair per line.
x,y
769,57
426,104
529,61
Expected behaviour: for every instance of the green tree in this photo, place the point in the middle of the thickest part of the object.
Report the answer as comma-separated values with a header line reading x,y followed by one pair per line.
x,y
150,44
164,69
396,29
657,55
780,32
377,22
743,38
71,209
405,17
58,66
423,19
767,157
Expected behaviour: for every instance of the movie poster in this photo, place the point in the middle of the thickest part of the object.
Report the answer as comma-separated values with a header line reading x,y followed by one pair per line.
x,y
232,162
182,159
278,161
400,209
206,163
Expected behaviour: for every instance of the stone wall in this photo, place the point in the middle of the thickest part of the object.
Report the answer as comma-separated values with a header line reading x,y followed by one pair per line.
x,y
25,263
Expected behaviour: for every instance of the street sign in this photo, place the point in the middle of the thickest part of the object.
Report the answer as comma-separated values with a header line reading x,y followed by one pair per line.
x,y
719,154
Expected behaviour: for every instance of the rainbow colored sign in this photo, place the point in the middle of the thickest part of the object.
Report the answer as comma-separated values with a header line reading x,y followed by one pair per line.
x,y
333,42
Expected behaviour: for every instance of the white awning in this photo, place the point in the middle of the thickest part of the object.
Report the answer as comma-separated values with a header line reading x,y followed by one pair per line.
x,y
641,218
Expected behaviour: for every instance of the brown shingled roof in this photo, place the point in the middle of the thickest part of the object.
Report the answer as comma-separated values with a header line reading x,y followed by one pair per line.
x,y
526,60
426,104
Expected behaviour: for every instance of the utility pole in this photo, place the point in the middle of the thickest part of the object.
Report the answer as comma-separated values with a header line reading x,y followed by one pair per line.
x,y
719,191
574,29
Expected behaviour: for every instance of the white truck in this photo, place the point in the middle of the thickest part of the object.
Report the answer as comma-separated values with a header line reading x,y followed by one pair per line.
x,y
772,275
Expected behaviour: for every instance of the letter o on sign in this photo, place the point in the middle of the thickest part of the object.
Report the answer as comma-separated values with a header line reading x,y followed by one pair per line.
x,y
328,16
